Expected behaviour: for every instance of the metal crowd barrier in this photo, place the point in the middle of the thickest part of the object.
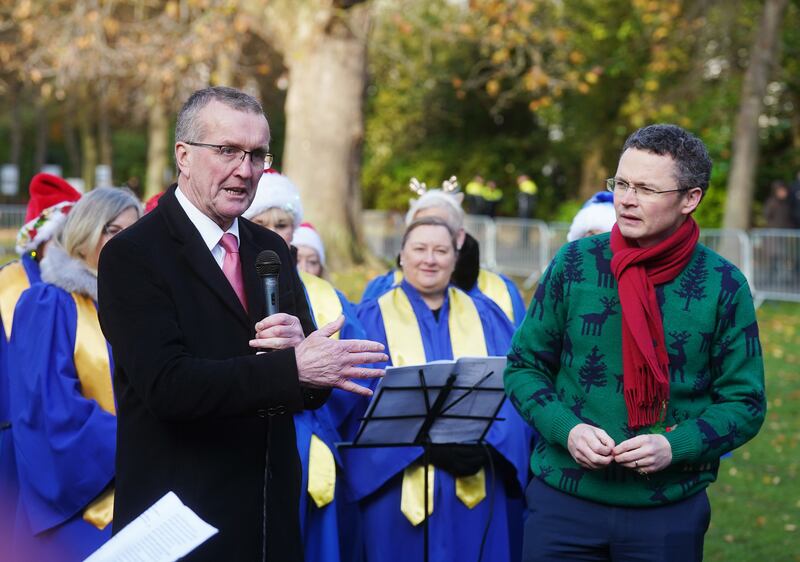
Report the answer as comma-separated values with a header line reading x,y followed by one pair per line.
x,y
769,258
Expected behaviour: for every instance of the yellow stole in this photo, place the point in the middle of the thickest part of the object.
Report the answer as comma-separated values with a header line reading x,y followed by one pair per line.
x,y
405,347
326,308
323,299
93,366
13,281
493,286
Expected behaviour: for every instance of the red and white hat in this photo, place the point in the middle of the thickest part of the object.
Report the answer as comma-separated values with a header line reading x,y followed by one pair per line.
x,y
306,235
51,198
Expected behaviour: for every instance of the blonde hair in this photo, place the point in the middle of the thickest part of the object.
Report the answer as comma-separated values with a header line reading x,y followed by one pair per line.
x,y
272,216
90,216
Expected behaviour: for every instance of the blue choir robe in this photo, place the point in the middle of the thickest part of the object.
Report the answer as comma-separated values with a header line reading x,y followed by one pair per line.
x,y
64,442
15,277
507,297
330,533
374,475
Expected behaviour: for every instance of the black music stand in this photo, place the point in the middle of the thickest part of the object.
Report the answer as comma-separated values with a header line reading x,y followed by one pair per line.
x,y
423,405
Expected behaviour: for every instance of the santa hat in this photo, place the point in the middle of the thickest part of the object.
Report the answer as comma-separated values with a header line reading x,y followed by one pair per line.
x,y
152,203
597,214
276,190
305,235
51,198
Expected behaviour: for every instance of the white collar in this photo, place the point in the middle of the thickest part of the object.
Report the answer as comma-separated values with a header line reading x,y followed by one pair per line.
x,y
208,229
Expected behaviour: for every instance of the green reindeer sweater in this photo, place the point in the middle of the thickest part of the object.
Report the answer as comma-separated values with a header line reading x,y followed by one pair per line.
x,y
565,368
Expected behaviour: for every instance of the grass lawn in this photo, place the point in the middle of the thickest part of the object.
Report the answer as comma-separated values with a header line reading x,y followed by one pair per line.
x,y
755,502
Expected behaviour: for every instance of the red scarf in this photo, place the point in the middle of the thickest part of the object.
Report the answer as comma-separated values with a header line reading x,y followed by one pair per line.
x,y
644,355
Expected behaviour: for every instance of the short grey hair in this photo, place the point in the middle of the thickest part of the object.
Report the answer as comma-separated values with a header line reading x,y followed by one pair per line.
x,y
189,128
90,216
431,221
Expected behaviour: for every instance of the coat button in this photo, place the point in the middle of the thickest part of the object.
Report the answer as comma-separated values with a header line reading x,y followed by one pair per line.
x,y
261,413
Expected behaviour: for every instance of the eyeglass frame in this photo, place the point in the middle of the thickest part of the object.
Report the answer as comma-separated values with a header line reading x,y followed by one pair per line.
x,y
268,158
611,184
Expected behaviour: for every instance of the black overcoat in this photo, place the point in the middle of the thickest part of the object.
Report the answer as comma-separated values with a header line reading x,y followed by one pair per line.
x,y
198,412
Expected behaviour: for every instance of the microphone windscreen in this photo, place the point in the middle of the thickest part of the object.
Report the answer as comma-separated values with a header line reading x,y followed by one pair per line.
x,y
268,263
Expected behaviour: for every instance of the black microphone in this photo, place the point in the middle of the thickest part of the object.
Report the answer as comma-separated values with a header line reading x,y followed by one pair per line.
x,y
268,265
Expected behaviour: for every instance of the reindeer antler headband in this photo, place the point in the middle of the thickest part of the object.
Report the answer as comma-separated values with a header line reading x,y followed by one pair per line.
x,y
448,186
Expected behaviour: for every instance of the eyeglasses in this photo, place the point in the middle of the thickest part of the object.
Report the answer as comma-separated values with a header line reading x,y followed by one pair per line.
x,y
258,156
620,187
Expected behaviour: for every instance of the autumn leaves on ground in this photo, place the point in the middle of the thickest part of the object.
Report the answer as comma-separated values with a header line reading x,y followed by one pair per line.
x,y
755,503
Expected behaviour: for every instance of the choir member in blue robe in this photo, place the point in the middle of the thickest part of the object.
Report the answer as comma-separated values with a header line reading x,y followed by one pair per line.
x,y
62,403
375,476
51,199
329,527
468,275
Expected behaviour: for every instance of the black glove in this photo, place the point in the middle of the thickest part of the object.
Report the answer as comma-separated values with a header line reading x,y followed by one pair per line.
x,y
458,460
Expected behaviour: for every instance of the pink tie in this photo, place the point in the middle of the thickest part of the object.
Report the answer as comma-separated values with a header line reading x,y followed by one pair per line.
x,y
232,267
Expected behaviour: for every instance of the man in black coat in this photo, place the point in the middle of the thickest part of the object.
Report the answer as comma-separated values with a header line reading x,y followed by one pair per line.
x,y
200,411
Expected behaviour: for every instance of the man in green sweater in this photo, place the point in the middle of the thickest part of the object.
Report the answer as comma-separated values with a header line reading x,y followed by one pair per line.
x,y
639,364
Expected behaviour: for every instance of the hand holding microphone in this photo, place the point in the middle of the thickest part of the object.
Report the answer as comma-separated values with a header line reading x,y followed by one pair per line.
x,y
321,361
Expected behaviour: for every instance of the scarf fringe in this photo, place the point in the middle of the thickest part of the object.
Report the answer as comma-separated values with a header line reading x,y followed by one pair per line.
x,y
647,403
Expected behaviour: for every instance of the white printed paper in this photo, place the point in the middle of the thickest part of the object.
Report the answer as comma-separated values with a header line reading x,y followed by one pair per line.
x,y
166,531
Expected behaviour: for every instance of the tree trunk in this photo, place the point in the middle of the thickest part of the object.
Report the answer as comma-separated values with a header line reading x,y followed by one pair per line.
x,y
40,150
70,141
741,182
88,146
104,133
15,140
157,139
593,172
325,127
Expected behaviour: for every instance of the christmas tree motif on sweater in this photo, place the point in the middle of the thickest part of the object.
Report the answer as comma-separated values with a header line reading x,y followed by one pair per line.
x,y
713,440
557,289
693,283
570,479
593,322
566,347
602,264
752,343
728,283
756,402
573,266
677,360
541,445
540,293
593,372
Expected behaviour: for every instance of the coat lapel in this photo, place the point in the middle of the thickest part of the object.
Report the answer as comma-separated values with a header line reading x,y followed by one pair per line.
x,y
248,251
199,259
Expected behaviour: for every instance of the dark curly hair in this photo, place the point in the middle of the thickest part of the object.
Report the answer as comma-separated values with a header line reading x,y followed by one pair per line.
x,y
692,162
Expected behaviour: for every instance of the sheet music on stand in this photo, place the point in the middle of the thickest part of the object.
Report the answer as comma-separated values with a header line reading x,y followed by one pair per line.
x,y
398,412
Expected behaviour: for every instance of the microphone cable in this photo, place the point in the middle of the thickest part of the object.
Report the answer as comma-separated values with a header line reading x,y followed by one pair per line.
x,y
491,499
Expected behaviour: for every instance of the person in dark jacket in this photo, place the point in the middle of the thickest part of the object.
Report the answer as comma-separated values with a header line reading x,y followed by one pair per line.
x,y
201,410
